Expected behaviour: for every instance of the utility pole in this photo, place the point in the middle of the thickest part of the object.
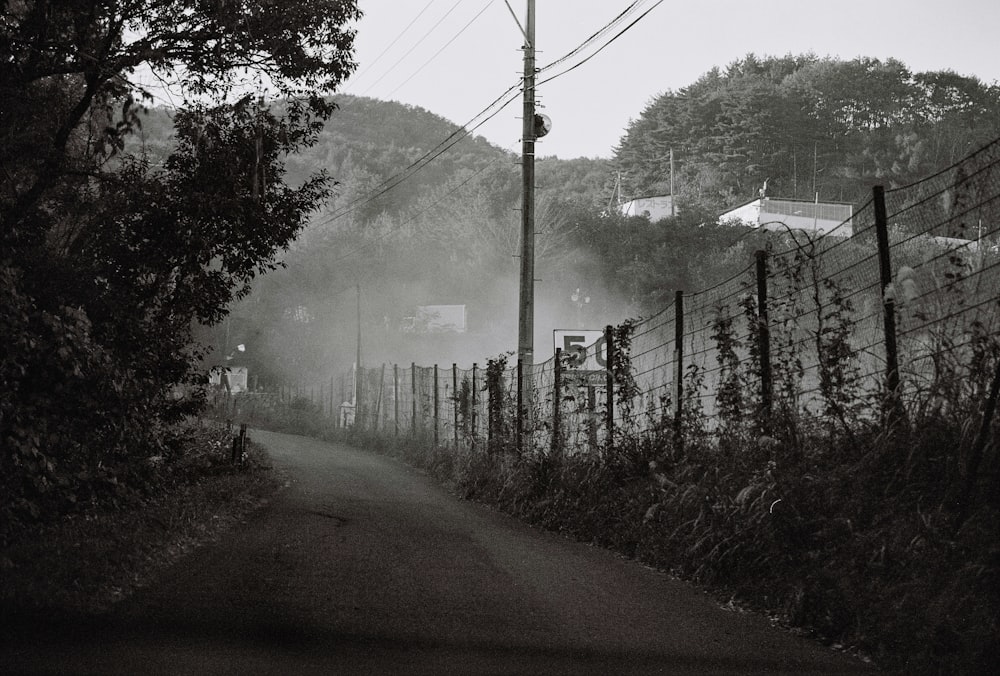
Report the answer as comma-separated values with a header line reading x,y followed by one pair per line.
x,y
526,316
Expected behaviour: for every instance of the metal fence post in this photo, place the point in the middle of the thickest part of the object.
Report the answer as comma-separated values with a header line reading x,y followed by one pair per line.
x,y
520,406
435,405
413,399
490,404
764,344
472,412
395,398
556,402
679,371
609,342
893,411
454,399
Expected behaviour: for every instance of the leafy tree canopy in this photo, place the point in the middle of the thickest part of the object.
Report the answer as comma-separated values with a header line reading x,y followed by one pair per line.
x,y
806,125
108,256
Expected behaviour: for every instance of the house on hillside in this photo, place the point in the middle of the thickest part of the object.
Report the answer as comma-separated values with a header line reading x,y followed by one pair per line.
x,y
815,218
653,207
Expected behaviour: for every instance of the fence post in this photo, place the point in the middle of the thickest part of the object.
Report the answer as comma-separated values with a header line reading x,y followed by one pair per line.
x,y
679,371
359,416
609,335
413,399
520,406
764,344
435,405
475,369
454,399
892,410
395,398
377,419
556,405
490,403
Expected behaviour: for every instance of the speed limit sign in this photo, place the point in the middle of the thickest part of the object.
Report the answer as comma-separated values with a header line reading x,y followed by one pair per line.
x,y
582,350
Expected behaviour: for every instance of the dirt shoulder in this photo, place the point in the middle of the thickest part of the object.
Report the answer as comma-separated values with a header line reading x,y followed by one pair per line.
x,y
92,559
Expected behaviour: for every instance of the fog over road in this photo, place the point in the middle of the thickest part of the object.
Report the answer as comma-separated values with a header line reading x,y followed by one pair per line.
x,y
364,565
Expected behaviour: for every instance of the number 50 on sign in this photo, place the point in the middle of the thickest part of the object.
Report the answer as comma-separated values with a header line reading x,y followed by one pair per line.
x,y
583,350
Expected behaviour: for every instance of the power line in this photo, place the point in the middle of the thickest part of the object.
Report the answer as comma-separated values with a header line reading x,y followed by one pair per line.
x,y
446,45
442,147
412,218
602,47
415,45
462,132
583,45
394,41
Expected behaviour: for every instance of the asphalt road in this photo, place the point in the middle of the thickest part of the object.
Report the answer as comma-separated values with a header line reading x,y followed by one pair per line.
x,y
365,566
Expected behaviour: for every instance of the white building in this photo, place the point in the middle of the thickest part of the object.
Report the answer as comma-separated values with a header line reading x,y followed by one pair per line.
x,y
654,207
817,218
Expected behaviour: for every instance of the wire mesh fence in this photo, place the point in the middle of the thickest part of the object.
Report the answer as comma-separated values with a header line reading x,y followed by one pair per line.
x,y
898,316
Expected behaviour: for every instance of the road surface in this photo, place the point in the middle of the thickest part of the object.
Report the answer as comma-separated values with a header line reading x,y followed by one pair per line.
x,y
363,565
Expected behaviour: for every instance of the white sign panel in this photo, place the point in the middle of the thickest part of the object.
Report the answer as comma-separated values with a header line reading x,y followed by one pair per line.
x,y
582,350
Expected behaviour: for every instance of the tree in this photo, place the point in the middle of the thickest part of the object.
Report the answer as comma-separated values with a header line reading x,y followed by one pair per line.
x,y
109,258
807,125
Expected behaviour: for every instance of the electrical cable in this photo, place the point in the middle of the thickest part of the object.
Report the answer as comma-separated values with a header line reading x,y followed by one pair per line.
x,y
583,45
412,218
438,52
415,45
466,130
458,135
364,70
602,47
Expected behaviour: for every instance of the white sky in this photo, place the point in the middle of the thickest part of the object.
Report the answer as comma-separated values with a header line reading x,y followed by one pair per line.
x,y
670,48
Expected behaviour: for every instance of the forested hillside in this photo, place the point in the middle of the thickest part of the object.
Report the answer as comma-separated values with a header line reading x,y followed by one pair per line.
x,y
807,126
422,214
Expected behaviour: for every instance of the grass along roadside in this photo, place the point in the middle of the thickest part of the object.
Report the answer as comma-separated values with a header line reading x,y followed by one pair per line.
x,y
89,560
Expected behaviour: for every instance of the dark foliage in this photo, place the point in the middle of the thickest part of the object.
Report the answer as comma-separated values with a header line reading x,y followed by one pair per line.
x,y
109,258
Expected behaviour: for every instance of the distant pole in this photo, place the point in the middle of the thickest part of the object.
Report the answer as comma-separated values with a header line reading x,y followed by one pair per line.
x,y
673,208
357,368
526,317
395,397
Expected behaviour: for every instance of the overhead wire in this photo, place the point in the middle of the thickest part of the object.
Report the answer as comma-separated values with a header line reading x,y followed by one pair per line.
x,y
378,238
378,58
442,147
597,34
602,47
466,130
415,45
444,47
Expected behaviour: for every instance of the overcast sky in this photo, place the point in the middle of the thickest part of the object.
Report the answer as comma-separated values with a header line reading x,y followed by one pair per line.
x,y
455,57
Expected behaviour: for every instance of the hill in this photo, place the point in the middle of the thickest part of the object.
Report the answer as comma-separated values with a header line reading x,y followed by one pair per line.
x,y
807,126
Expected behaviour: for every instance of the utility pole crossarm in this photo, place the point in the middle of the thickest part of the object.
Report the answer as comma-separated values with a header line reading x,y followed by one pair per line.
x,y
527,41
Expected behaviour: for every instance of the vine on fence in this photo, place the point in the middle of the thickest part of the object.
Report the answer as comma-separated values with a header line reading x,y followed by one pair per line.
x,y
498,401
731,399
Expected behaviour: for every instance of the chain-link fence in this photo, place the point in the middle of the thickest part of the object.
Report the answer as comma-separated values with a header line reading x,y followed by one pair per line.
x,y
898,317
